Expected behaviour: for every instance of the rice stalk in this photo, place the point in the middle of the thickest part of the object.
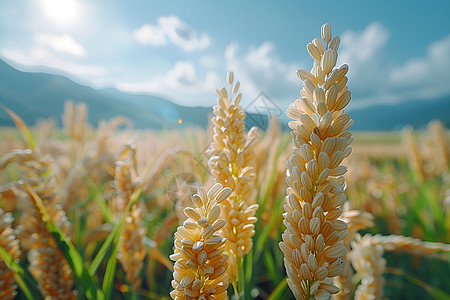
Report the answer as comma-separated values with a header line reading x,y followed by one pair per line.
x,y
131,251
367,259
313,241
200,258
232,165
47,264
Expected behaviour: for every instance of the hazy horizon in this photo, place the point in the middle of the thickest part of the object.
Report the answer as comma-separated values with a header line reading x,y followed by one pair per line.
x,y
182,52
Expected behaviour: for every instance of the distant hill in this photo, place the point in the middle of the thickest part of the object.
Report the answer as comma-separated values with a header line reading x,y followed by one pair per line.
x,y
42,95
393,117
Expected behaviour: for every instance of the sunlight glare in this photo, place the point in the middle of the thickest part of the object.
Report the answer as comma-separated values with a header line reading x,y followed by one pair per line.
x,y
61,11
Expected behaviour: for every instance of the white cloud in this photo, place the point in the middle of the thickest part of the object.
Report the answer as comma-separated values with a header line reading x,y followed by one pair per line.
x,y
363,51
361,47
173,29
431,72
62,43
374,81
208,62
151,35
260,69
180,83
39,56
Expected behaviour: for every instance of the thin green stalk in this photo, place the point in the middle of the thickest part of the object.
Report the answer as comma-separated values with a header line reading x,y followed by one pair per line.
x,y
85,281
24,279
133,295
241,279
434,292
277,293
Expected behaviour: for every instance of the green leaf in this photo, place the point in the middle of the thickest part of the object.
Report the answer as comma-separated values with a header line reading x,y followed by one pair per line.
x,y
113,236
101,254
277,293
108,279
85,282
106,212
20,124
434,292
264,235
24,279
270,266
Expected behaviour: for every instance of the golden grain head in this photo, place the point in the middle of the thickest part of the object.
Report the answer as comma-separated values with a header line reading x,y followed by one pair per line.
x,y
315,174
200,259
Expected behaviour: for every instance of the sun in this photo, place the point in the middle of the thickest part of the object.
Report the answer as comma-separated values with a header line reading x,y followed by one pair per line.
x,y
61,11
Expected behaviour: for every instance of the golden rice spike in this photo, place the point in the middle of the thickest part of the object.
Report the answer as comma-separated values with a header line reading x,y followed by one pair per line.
x,y
313,241
232,165
200,259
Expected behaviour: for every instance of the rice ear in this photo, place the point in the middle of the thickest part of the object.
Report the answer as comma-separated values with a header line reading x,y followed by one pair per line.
x,y
314,177
200,259
232,163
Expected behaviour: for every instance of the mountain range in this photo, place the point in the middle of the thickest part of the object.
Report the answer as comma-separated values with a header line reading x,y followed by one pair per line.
x,y
40,95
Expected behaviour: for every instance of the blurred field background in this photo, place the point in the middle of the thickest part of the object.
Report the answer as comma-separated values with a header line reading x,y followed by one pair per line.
x,y
401,178
106,132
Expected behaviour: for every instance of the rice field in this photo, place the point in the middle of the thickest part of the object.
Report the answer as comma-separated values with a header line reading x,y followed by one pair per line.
x,y
318,212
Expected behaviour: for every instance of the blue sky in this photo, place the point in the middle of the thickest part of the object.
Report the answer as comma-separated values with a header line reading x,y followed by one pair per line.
x,y
397,50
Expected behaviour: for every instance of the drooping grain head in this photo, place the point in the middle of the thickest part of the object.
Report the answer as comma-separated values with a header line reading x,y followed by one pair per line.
x,y
46,262
232,164
10,243
68,118
132,250
437,148
399,243
367,260
75,120
413,153
200,259
125,183
356,220
313,241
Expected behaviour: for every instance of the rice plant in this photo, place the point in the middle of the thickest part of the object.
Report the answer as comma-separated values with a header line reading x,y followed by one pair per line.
x,y
101,213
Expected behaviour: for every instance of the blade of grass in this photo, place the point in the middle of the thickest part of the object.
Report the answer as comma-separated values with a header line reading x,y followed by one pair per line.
x,y
248,260
264,235
434,292
270,266
23,278
277,293
426,193
106,212
155,254
108,279
241,279
113,236
85,282
20,124
269,185
101,254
